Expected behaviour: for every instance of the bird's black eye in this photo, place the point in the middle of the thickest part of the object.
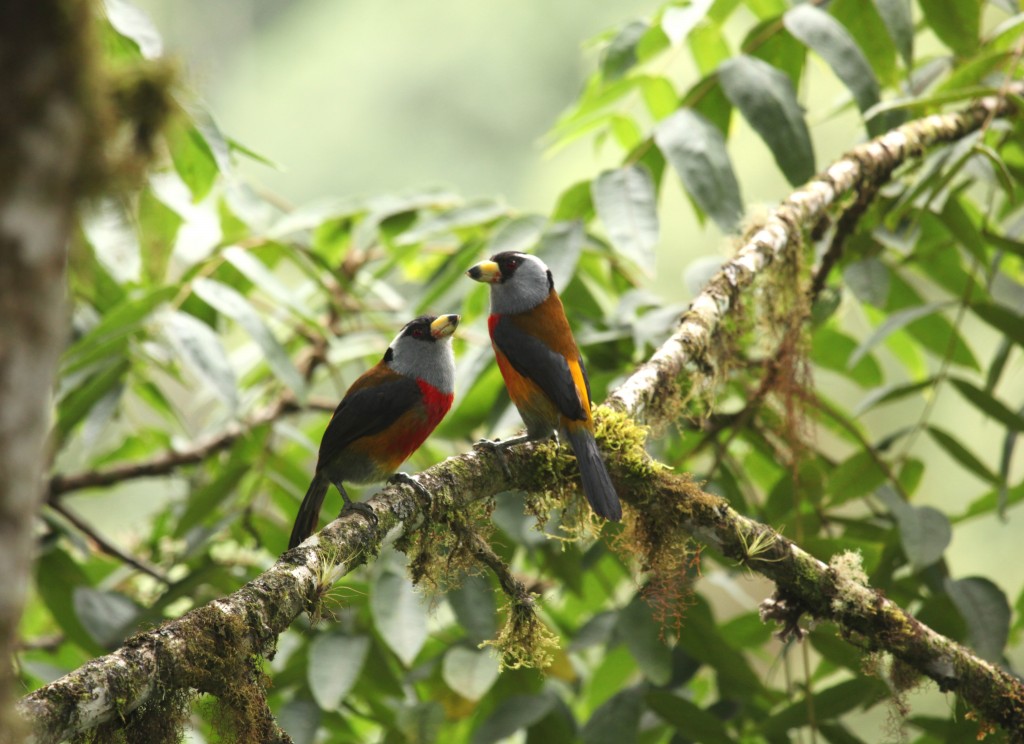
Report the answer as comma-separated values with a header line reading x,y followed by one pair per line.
x,y
417,333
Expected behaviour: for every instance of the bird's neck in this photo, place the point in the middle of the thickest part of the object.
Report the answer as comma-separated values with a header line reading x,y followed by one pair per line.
x,y
436,368
508,299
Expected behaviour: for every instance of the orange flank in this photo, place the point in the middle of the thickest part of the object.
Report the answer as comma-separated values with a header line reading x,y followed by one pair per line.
x,y
547,323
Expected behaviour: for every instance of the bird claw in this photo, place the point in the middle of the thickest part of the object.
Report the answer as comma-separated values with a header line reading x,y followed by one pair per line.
x,y
408,480
499,449
362,508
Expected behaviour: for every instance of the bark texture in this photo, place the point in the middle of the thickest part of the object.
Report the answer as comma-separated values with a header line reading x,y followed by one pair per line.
x,y
46,133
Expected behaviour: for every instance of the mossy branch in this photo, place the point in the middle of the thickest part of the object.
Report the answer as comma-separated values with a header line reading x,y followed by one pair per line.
x,y
206,648
649,393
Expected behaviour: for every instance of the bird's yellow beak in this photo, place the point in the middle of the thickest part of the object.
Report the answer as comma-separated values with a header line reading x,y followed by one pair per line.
x,y
485,271
444,325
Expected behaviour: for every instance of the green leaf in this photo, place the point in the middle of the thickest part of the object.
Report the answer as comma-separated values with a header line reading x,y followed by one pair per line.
x,y
894,322
659,95
826,36
677,22
709,100
591,110
869,280
899,21
768,102
57,577
616,721
300,717
832,350
856,476
399,615
228,301
626,202
995,369
469,672
626,132
709,47
76,404
986,403
201,350
863,22
107,616
702,642
642,637
984,607
560,247
778,47
193,159
204,499
765,9
575,203
890,393
828,704
132,22
335,661
475,608
513,714
266,281
933,331
109,338
620,55
697,152
158,228
925,533
517,234
690,721
473,214
956,23
962,455
1004,320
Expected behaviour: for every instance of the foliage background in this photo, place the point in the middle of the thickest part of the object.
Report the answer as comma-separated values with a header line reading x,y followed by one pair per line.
x,y
201,300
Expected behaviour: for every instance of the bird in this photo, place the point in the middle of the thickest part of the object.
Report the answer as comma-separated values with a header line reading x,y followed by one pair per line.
x,y
384,416
542,367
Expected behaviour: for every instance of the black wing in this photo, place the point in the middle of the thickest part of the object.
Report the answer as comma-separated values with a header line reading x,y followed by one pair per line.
x,y
531,358
368,411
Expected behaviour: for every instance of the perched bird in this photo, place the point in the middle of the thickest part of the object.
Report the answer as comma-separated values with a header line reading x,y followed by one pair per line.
x,y
384,417
542,366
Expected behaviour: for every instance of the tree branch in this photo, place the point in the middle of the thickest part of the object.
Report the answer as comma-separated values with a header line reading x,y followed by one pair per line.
x,y
648,393
246,623
108,547
170,461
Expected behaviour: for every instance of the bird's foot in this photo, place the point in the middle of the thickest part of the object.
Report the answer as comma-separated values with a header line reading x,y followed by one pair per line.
x,y
362,508
499,448
408,480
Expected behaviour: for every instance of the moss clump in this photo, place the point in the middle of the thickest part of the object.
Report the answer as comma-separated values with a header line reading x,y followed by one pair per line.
x,y
159,720
524,640
439,551
556,486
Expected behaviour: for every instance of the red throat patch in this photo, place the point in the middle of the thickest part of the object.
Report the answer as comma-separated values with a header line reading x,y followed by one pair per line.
x,y
436,403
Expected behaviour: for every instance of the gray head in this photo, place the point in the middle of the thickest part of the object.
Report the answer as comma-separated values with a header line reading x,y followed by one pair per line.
x,y
423,350
519,281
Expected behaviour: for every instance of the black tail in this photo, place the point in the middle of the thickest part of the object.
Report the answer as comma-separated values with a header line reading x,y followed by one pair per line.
x,y
597,485
308,518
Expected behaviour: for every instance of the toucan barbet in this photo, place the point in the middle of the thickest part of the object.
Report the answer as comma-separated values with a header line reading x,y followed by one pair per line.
x,y
542,366
384,417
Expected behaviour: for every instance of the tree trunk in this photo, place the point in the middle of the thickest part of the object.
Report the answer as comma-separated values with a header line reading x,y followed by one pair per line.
x,y
46,132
